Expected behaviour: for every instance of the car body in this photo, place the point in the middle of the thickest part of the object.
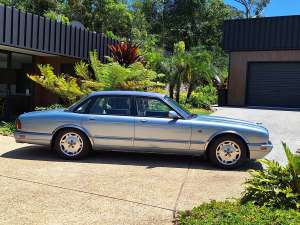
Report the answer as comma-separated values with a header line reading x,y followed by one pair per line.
x,y
141,122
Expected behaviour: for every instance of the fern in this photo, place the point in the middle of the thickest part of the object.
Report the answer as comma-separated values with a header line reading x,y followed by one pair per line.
x,y
102,77
276,186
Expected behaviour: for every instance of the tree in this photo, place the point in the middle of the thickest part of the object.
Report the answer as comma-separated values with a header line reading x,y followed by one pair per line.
x,y
102,15
175,67
200,70
196,22
253,8
55,16
34,6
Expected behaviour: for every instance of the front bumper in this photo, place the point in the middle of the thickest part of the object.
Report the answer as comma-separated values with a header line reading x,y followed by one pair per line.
x,y
258,151
32,138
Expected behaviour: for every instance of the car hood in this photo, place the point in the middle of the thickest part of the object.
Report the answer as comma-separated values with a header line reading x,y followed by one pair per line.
x,y
219,119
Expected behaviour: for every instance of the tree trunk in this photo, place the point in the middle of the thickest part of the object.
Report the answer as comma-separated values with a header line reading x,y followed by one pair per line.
x,y
178,86
189,92
171,90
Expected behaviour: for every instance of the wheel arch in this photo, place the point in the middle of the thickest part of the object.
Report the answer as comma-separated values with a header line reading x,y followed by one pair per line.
x,y
71,126
233,133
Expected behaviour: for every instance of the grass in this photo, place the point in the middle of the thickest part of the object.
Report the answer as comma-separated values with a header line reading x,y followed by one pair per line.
x,y
7,128
228,213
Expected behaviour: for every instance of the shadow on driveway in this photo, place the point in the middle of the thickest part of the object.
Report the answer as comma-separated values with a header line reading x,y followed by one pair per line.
x,y
150,160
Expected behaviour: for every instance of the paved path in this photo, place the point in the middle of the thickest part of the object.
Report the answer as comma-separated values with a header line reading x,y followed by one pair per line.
x,y
283,125
36,187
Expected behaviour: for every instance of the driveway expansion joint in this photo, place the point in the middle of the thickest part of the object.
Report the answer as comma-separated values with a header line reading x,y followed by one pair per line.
x,y
86,192
175,210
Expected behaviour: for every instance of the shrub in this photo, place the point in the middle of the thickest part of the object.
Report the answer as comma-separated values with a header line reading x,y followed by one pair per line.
x,y
7,128
50,107
202,97
216,213
276,186
126,53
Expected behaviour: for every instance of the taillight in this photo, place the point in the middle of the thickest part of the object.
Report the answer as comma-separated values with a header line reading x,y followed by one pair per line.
x,y
18,124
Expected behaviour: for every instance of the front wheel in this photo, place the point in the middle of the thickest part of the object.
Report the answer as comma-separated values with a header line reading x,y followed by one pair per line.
x,y
227,152
71,144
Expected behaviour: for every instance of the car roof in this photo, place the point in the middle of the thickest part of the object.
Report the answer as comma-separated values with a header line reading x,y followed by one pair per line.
x,y
131,93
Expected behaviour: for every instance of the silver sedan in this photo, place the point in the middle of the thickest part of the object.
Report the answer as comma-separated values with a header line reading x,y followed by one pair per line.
x,y
142,122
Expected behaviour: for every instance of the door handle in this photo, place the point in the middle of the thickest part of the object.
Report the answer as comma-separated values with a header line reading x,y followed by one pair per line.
x,y
143,121
92,119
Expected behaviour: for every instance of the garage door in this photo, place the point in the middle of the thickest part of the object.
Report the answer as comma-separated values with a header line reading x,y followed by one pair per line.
x,y
274,85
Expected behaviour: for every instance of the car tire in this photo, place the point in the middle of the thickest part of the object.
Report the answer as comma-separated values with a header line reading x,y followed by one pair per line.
x,y
227,152
72,144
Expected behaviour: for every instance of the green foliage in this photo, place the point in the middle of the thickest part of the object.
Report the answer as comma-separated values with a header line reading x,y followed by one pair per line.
x,y
103,16
294,166
203,97
228,213
67,87
115,76
33,6
55,16
194,22
190,68
102,77
82,70
50,107
276,186
110,34
7,128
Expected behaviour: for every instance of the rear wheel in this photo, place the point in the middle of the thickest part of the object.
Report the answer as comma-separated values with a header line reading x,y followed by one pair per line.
x,y
227,151
72,144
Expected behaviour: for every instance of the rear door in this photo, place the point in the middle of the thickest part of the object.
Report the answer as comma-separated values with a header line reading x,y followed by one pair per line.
x,y
155,131
109,122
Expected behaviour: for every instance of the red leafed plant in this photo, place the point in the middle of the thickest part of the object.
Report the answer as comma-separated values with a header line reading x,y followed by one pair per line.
x,y
126,53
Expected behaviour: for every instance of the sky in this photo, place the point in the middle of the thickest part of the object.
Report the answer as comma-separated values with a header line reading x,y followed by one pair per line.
x,y
276,7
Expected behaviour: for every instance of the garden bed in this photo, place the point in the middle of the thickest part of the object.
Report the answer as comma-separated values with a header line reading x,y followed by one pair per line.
x,y
216,213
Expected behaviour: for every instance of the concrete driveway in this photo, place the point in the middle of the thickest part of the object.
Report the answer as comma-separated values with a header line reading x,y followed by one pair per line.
x,y
283,125
36,187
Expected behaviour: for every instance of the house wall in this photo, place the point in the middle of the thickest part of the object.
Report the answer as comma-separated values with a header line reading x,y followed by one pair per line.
x,y
238,67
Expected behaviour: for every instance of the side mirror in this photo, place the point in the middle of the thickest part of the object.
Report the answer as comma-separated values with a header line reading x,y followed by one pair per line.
x,y
173,115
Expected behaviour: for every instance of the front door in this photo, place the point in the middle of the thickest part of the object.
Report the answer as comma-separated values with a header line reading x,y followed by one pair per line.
x,y
109,122
154,130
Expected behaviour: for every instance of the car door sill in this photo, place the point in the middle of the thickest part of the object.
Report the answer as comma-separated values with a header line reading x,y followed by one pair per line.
x,y
145,150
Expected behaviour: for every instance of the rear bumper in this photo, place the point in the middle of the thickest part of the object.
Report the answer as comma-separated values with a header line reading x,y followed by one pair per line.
x,y
258,151
32,138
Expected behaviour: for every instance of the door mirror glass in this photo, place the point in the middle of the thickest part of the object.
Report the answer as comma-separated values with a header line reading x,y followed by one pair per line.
x,y
173,115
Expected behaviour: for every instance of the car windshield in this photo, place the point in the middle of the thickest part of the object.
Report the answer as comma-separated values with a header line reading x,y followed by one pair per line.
x,y
74,105
178,108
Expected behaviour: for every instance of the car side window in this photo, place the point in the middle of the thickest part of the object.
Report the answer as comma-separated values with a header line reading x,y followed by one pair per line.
x,y
111,105
151,107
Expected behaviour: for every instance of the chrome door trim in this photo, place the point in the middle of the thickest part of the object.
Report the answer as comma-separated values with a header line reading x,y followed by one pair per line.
x,y
161,140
